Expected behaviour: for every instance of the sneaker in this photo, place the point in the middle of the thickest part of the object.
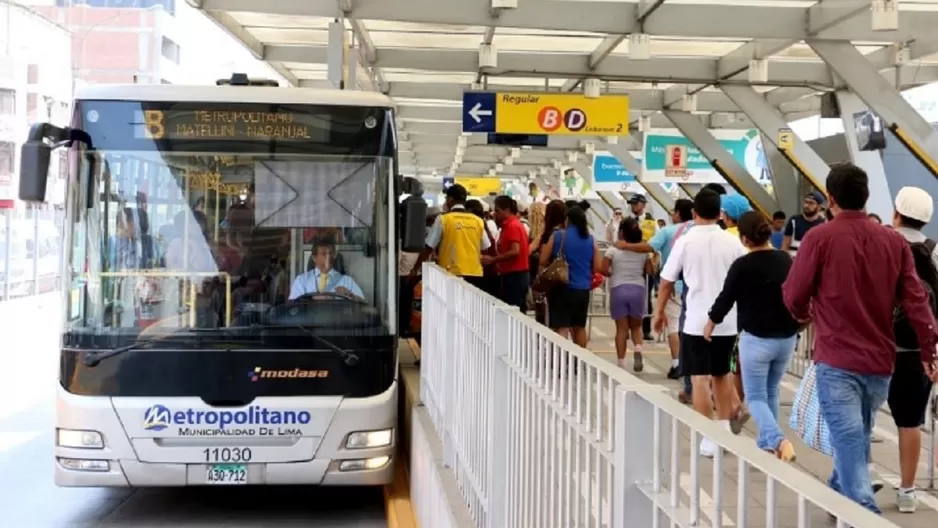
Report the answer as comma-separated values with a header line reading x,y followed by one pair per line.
x,y
674,373
739,420
638,364
907,501
683,397
620,362
707,448
877,485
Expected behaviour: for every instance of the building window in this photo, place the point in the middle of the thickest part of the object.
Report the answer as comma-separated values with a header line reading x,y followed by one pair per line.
x,y
170,50
32,74
7,102
31,104
7,157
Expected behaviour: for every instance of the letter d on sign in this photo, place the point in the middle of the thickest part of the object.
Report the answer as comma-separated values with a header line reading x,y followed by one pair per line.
x,y
575,120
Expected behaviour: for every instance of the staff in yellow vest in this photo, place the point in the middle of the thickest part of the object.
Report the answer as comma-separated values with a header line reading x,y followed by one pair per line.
x,y
649,227
458,237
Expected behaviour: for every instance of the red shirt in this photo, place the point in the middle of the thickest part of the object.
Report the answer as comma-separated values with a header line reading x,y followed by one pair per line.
x,y
851,273
513,231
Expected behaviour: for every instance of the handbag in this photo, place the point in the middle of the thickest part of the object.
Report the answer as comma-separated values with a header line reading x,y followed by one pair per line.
x,y
556,273
806,418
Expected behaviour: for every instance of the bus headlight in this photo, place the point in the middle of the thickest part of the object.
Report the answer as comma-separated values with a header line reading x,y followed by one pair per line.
x,y
79,439
366,439
85,465
364,464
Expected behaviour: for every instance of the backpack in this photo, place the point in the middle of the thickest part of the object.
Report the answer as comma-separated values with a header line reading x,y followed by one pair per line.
x,y
926,271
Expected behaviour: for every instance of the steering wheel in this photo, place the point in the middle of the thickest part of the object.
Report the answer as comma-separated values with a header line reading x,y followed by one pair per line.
x,y
331,295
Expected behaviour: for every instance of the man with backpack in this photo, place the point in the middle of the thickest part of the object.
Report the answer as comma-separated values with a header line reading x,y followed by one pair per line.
x,y
910,386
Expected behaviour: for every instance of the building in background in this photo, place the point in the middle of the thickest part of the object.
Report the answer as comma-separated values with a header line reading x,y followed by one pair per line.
x,y
148,42
35,85
120,41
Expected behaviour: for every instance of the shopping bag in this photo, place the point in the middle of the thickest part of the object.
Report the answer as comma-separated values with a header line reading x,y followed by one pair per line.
x,y
806,418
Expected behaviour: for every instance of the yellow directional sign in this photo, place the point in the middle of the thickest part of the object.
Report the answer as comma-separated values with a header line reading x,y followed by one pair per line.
x,y
571,114
786,138
480,186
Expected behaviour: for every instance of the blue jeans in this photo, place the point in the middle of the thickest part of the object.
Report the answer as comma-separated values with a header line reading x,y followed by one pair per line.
x,y
764,361
848,403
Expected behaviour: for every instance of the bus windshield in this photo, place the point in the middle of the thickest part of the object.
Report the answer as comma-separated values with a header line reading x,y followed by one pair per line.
x,y
227,227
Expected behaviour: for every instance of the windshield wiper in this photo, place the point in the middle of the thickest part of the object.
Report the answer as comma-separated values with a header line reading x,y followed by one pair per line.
x,y
349,358
93,358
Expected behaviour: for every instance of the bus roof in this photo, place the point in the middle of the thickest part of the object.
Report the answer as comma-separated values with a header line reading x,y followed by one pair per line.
x,y
231,94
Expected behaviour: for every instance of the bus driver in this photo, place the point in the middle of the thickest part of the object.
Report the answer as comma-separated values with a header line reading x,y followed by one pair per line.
x,y
323,278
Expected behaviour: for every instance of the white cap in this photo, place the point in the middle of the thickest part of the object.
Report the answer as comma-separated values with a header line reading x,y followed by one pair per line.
x,y
914,203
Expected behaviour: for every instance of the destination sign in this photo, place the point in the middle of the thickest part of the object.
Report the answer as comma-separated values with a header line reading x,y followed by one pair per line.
x,y
220,124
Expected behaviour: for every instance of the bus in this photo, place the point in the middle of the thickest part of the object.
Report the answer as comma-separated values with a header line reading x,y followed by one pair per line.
x,y
230,275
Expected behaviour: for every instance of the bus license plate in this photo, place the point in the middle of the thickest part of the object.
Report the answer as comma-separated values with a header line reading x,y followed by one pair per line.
x,y
226,474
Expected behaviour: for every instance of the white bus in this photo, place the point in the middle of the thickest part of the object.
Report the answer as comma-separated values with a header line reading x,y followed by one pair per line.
x,y
230,272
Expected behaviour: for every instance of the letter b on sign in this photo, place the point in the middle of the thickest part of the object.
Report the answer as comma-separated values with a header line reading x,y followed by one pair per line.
x,y
549,118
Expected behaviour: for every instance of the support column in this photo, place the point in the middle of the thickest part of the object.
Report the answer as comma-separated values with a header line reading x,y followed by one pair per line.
x,y
802,157
736,175
885,100
655,191
880,201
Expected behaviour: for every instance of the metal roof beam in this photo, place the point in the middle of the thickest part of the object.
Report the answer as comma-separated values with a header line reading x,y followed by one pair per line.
x,y
684,70
789,22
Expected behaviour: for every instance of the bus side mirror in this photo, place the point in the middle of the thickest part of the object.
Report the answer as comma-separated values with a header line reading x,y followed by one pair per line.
x,y
34,170
414,233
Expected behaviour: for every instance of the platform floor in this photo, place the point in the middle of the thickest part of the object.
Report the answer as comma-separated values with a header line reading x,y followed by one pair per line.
x,y
885,453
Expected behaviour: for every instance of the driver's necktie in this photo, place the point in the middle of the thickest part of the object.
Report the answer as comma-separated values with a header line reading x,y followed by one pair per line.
x,y
323,281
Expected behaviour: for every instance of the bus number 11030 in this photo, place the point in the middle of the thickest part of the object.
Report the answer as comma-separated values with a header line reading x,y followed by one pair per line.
x,y
227,454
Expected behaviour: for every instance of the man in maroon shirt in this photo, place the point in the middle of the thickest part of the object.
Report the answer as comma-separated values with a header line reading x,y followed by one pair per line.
x,y
849,275
513,251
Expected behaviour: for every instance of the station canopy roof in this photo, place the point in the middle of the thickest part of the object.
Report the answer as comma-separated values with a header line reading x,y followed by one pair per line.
x,y
425,54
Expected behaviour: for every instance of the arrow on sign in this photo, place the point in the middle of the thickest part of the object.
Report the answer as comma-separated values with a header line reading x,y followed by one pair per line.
x,y
477,113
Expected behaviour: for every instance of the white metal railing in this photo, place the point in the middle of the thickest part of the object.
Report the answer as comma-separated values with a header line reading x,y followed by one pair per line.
x,y
539,432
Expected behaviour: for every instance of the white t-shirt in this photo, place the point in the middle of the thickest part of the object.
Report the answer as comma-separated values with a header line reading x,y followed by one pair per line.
x,y
704,255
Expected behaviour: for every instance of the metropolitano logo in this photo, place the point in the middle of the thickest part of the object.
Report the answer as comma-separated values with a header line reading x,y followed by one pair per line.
x,y
156,418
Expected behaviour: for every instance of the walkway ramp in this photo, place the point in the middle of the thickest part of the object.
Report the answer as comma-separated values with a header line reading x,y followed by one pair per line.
x,y
538,432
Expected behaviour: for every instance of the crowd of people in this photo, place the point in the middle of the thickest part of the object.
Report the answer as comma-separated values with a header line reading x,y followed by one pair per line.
x,y
734,290
742,296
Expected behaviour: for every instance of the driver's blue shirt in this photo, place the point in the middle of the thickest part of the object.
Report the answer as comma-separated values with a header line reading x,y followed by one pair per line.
x,y
308,282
